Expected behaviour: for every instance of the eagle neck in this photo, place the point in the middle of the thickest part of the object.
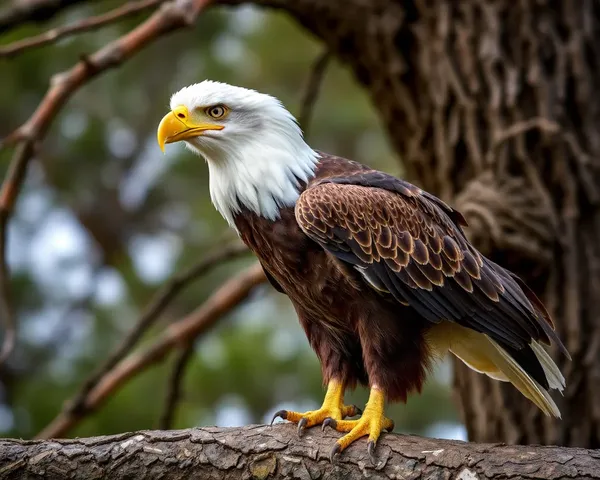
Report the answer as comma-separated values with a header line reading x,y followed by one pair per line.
x,y
261,179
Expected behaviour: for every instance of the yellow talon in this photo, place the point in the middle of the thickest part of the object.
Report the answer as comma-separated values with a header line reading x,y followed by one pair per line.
x,y
372,423
333,407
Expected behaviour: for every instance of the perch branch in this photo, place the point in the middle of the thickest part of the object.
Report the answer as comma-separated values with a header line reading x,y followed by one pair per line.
x,y
85,25
171,16
277,452
227,297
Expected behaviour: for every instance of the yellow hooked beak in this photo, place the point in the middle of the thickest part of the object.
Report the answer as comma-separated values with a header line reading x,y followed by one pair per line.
x,y
176,126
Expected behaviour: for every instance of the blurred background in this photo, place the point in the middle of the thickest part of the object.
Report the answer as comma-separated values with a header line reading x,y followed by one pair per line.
x,y
105,219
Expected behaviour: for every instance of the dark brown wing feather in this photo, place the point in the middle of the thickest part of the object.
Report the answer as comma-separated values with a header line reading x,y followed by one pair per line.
x,y
411,245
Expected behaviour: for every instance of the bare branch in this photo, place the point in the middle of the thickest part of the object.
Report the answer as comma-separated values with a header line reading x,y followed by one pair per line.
x,y
151,313
171,16
20,12
227,297
174,390
10,190
85,25
312,89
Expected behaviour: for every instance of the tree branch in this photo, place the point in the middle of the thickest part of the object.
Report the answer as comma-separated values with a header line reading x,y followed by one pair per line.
x,y
312,90
152,312
184,356
23,11
171,16
85,25
10,190
261,452
227,297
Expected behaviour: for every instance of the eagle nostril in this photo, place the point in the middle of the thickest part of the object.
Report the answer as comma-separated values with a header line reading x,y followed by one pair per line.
x,y
181,115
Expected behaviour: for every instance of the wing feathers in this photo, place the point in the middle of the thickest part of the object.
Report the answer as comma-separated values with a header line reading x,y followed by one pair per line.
x,y
464,280
433,275
420,254
470,265
421,249
486,285
405,241
451,249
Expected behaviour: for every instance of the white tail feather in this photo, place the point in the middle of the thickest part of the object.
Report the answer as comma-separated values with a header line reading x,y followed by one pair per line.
x,y
553,374
524,383
483,355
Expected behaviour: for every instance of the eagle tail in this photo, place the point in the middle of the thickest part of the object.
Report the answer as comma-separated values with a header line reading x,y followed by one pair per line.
x,y
553,374
484,355
524,382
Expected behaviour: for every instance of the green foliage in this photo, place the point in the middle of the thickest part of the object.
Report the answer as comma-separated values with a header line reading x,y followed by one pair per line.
x,y
105,218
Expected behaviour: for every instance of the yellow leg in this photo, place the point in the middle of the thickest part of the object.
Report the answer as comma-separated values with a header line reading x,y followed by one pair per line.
x,y
371,423
333,407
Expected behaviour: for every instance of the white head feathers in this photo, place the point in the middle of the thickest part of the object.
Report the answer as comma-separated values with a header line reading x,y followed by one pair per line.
x,y
256,160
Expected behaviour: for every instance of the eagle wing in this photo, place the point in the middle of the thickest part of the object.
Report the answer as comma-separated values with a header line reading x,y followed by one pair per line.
x,y
409,244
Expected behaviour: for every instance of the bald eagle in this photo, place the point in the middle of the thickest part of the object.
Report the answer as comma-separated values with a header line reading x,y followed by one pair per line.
x,y
380,272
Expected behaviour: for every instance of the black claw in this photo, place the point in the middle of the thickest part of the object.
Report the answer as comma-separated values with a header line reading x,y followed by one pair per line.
x,y
280,414
328,422
334,451
357,411
301,426
371,452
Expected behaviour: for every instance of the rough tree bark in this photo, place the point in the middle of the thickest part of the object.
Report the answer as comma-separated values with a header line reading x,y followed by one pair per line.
x,y
492,106
261,452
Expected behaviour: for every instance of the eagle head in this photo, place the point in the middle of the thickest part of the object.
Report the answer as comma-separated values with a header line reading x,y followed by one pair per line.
x,y
213,117
254,147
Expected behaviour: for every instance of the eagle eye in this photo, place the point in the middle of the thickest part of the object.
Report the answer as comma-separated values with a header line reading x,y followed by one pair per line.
x,y
217,111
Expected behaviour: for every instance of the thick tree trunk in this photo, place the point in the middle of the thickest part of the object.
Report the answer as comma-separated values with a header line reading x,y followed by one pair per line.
x,y
492,105
261,452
